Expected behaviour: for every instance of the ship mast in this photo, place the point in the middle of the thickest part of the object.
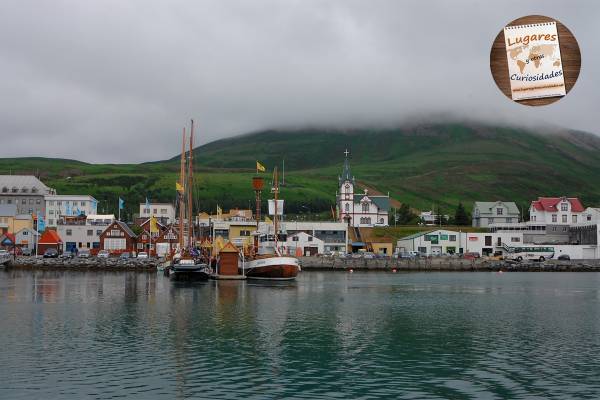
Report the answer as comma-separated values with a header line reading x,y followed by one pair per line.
x,y
181,195
190,187
275,217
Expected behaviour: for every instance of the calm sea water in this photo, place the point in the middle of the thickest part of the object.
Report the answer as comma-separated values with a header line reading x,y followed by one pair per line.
x,y
329,335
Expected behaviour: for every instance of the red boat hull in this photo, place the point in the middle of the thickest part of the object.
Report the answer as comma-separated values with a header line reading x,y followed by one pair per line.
x,y
275,272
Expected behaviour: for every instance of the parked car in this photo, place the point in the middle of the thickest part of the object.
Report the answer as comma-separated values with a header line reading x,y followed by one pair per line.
x,y
356,255
103,254
67,254
406,254
3,252
26,251
51,253
142,254
125,256
564,257
83,254
369,255
471,255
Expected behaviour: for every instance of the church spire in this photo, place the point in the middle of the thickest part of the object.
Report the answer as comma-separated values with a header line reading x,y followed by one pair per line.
x,y
346,175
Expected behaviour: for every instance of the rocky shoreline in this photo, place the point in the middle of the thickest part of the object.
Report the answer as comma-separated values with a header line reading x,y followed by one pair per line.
x,y
113,264
447,264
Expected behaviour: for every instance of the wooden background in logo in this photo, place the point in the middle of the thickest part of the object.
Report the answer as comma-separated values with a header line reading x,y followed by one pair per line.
x,y
569,53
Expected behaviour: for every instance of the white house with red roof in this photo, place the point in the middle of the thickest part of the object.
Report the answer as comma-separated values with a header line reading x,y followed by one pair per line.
x,y
557,210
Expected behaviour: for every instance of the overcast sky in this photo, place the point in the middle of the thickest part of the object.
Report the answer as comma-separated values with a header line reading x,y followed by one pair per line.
x,y
115,81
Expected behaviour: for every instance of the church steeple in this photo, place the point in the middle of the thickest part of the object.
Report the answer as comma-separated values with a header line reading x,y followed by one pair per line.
x,y
346,174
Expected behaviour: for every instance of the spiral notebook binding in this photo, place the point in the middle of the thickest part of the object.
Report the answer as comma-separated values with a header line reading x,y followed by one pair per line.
x,y
530,25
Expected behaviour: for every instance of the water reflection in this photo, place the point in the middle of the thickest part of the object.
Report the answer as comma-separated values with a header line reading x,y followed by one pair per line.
x,y
74,334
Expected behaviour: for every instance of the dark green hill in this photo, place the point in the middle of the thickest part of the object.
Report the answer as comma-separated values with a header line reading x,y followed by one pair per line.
x,y
421,165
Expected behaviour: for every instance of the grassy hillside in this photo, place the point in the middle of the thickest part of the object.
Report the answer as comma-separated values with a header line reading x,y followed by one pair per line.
x,y
424,165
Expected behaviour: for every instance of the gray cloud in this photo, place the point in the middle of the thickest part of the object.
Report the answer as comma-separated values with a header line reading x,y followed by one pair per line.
x,y
115,81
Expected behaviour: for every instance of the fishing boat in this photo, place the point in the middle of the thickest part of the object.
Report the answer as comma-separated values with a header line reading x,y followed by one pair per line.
x,y
187,264
268,261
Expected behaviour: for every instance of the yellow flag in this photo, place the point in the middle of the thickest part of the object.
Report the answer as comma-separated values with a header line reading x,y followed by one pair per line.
x,y
219,211
153,225
178,187
268,220
260,167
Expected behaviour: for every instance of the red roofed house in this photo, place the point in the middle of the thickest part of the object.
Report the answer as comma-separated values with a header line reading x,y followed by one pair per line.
x,y
118,238
556,210
50,239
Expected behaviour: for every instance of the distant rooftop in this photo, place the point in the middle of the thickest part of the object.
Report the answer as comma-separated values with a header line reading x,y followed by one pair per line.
x,y
23,184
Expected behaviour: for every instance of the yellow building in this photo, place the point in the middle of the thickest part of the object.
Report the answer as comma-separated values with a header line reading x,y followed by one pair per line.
x,y
239,233
386,248
11,222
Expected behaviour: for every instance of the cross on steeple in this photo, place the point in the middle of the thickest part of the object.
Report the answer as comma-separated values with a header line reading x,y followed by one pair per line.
x,y
346,152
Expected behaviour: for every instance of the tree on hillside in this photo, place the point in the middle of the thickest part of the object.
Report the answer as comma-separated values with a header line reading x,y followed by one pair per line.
x,y
461,217
405,216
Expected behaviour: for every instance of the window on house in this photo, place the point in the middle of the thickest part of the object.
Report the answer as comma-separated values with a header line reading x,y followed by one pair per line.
x,y
69,232
82,203
50,221
9,201
564,218
24,201
564,228
115,232
295,239
589,217
98,232
508,220
51,212
574,219
59,203
564,207
163,210
347,207
31,201
554,218
25,233
554,229
365,207
154,211
515,239
309,239
452,238
499,211
90,232
38,201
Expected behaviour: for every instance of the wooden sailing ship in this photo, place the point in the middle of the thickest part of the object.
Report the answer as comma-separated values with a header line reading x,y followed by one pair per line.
x,y
267,260
187,263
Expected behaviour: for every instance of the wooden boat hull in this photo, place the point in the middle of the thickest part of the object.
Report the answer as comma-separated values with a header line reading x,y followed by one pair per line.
x,y
272,268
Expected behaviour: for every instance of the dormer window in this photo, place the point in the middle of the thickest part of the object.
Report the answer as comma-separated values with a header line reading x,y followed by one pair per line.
x,y
564,207
15,189
34,190
4,189
24,190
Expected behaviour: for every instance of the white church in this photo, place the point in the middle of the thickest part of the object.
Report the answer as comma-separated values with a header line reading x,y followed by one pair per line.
x,y
359,209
